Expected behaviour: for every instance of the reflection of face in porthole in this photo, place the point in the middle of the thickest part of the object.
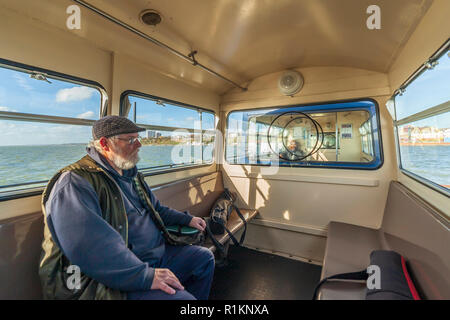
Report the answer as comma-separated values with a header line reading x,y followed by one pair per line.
x,y
294,136
293,151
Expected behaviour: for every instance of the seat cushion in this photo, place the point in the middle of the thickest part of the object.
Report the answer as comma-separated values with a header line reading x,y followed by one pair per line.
x,y
21,239
348,250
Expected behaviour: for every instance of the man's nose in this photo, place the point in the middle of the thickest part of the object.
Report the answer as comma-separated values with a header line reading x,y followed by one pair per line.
x,y
138,144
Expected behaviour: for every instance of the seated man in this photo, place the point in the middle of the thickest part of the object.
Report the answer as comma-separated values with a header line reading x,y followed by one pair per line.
x,y
100,218
293,152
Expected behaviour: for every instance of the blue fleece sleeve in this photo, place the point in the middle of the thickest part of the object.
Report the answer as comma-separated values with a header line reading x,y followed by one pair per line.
x,y
88,241
169,216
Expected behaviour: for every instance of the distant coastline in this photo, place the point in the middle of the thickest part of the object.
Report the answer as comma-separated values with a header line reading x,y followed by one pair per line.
x,y
422,144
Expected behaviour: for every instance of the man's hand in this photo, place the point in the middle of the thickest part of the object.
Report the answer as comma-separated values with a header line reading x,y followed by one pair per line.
x,y
165,280
198,223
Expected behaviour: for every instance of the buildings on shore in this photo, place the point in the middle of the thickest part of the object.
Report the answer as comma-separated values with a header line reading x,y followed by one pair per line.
x,y
153,134
424,135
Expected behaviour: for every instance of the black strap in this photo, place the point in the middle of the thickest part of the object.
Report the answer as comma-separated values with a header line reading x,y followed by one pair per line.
x,y
236,243
216,243
241,241
359,275
245,224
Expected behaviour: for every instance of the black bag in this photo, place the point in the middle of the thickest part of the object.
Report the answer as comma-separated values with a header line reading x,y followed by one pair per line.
x,y
220,214
396,283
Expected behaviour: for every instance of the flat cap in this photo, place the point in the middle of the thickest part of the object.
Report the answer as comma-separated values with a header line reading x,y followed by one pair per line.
x,y
113,125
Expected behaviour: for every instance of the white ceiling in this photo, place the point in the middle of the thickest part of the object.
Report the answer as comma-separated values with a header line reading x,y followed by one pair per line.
x,y
249,38
245,39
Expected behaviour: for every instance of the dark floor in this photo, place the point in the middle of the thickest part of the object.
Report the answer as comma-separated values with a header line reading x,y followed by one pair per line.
x,y
254,275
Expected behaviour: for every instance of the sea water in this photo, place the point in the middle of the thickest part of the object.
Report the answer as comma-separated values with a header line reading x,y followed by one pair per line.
x,y
24,164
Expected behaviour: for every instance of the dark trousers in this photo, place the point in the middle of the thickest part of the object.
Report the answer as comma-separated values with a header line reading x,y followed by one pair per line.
x,y
192,265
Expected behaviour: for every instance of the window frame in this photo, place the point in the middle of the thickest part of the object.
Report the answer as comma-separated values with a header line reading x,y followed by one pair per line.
x,y
41,118
328,106
421,115
152,171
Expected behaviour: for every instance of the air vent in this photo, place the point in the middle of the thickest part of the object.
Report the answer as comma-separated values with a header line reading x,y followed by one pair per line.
x,y
150,17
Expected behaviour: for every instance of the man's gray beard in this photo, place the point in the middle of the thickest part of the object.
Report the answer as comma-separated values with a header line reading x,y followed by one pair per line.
x,y
125,164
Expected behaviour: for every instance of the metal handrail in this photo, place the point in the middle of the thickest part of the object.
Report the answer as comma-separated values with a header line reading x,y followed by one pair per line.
x,y
22,184
19,116
189,58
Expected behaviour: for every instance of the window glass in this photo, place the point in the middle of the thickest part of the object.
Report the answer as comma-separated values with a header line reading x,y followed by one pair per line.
x,y
21,93
424,138
425,149
161,113
175,135
430,89
35,141
332,135
32,152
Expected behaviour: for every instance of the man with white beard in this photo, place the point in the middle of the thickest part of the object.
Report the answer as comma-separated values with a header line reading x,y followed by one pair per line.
x,y
102,220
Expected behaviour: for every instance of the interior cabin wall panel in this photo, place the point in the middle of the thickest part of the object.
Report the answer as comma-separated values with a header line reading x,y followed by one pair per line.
x,y
38,44
295,245
41,39
111,37
358,199
131,74
430,34
19,207
434,198
321,84
302,201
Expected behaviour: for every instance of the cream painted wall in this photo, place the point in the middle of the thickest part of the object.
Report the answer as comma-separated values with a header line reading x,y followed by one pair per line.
x,y
37,43
312,197
322,84
298,203
436,199
130,74
302,199
432,32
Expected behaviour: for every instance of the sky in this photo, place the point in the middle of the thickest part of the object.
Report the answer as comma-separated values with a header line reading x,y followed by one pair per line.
x,y
149,112
428,90
20,93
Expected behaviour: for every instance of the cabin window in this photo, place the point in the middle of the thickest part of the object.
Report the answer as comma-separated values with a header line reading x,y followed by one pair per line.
x,y
333,135
177,136
45,121
422,110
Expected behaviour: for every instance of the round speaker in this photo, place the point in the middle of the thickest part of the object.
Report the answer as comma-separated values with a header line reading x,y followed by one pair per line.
x,y
150,17
290,82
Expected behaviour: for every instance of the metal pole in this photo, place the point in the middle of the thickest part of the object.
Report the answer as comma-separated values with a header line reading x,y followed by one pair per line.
x,y
156,42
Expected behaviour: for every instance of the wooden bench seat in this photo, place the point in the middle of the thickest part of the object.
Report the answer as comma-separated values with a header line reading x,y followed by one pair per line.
x,y
197,195
410,227
234,224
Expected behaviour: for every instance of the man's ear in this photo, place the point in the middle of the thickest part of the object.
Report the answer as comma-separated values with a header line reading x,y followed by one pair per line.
x,y
104,143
